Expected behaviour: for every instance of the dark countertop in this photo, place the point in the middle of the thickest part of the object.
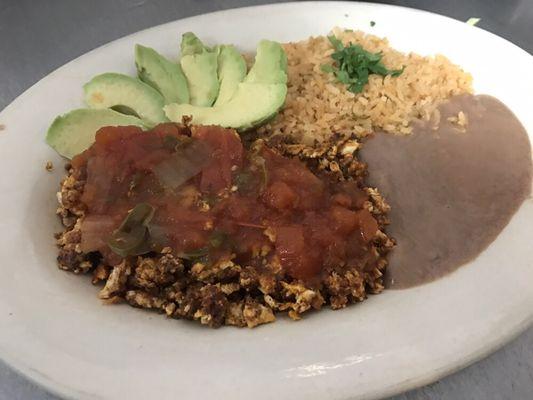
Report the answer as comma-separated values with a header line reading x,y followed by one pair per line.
x,y
37,37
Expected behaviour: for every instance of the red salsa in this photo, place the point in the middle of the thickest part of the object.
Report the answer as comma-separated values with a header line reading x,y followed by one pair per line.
x,y
201,193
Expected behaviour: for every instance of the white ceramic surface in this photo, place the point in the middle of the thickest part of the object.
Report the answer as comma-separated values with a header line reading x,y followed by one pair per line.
x,y
53,328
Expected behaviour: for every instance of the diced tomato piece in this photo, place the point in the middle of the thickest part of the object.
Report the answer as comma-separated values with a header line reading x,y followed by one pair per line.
x,y
226,152
344,220
280,196
367,225
342,199
293,254
358,196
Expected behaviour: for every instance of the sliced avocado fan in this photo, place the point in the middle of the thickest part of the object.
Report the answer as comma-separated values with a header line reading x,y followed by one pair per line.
x,y
256,99
72,133
199,64
163,75
206,76
112,90
231,72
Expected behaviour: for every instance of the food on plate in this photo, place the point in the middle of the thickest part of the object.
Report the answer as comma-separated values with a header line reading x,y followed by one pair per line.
x,y
200,66
189,222
270,65
251,105
353,65
72,133
127,95
255,100
163,75
231,71
263,194
473,171
201,77
318,104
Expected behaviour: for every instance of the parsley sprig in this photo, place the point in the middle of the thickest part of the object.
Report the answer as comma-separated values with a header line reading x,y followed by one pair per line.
x,y
353,64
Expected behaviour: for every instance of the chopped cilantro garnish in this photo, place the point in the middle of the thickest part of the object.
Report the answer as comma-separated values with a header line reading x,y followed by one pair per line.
x,y
352,65
372,23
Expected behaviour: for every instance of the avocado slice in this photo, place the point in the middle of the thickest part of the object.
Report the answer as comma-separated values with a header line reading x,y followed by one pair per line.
x,y
251,105
163,75
72,133
231,72
270,64
256,99
199,64
190,45
112,90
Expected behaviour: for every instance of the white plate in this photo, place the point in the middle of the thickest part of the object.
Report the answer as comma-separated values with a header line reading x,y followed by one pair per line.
x,y
54,330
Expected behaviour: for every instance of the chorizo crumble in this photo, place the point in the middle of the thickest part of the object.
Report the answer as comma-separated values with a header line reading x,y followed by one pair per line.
x,y
247,283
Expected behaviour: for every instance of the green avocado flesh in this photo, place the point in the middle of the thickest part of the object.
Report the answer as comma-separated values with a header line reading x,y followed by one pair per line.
x,y
270,64
111,90
231,72
161,74
209,85
252,104
190,44
247,104
200,65
72,133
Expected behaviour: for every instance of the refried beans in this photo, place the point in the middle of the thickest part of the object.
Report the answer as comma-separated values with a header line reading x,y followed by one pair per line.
x,y
452,187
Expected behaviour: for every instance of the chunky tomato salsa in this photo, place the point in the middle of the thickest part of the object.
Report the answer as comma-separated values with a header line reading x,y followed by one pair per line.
x,y
199,192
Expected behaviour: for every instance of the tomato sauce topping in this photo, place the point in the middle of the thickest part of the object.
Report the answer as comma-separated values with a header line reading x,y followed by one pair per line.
x,y
202,194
